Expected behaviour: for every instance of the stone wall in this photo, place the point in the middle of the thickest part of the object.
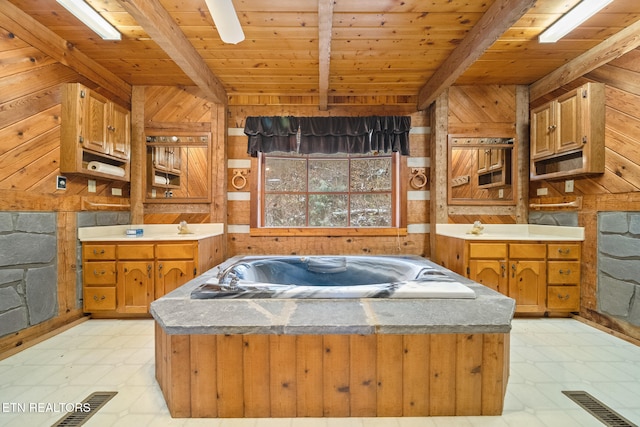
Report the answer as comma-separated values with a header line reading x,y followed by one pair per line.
x,y
619,265
565,219
28,269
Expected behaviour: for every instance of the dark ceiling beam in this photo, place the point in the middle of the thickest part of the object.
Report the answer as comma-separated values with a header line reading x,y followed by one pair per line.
x,y
37,35
500,16
164,31
605,52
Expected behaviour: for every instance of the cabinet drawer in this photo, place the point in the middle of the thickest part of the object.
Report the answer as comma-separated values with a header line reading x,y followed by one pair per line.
x,y
564,251
135,251
527,251
564,298
176,251
99,273
561,272
99,251
488,250
99,299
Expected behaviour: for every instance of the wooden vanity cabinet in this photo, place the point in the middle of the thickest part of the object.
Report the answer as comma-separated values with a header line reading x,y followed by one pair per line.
x,y
121,279
515,270
175,266
543,277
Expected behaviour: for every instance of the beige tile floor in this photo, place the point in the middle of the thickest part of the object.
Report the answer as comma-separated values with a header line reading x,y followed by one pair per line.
x,y
547,356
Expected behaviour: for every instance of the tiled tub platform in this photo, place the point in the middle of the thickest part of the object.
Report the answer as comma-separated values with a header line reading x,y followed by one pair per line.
x,y
332,358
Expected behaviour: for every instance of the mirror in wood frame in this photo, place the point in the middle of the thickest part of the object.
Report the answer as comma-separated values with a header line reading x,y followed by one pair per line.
x,y
481,170
177,167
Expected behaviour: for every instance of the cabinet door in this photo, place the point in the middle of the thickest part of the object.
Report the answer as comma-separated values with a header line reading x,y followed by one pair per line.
x,y
483,160
135,286
528,285
95,122
568,134
171,275
490,273
542,131
119,131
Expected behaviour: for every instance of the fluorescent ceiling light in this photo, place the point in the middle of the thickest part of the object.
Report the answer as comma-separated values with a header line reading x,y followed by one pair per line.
x,y
91,18
570,20
226,20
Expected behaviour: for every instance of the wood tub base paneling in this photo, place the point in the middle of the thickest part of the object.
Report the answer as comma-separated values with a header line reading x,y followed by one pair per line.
x,y
381,375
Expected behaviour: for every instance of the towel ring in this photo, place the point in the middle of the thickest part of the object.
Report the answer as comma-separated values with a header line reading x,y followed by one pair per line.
x,y
239,181
418,178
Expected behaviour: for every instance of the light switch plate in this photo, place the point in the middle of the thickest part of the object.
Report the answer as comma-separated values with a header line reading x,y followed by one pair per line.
x,y
568,186
91,186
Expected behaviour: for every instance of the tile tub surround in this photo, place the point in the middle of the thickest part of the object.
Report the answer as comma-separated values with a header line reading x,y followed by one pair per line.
x,y
532,232
260,358
151,232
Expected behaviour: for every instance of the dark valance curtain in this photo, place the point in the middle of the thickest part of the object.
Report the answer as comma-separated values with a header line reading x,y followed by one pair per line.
x,y
269,134
328,135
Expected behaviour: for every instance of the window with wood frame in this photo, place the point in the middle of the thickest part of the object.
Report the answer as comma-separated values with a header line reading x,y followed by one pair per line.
x,y
328,190
335,184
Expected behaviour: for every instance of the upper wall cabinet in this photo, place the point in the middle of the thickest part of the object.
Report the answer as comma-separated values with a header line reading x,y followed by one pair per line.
x,y
567,134
95,135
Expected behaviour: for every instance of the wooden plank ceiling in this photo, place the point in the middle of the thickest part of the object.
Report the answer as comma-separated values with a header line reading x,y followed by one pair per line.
x,y
334,48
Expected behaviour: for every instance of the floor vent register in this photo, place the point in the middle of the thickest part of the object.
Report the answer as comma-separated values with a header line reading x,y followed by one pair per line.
x,y
92,403
602,412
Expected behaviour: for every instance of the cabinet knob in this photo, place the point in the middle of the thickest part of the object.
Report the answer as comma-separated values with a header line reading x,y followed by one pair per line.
x,y
96,298
567,272
563,297
565,251
552,127
98,273
98,252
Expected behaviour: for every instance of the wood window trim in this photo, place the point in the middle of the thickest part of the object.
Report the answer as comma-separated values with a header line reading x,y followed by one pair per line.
x,y
256,201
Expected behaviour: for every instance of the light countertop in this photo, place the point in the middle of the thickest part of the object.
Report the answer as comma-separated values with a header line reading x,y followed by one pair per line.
x,y
151,232
516,232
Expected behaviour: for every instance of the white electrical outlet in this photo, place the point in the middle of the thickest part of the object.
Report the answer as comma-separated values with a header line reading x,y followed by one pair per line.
x,y
542,191
501,193
91,186
568,186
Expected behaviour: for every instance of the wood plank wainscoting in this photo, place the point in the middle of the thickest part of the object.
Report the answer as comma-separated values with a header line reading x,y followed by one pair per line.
x,y
379,375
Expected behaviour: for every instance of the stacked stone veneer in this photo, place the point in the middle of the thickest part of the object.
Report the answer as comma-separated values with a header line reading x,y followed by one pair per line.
x,y
619,265
565,219
28,269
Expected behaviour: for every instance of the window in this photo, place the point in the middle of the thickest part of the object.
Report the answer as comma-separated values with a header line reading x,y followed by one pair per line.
x,y
328,190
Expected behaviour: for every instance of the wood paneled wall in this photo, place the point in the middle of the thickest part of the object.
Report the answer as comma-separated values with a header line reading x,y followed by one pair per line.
x,y
177,108
618,188
239,208
30,109
481,111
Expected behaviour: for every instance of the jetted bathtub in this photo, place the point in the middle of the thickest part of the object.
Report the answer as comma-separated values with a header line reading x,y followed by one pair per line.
x,y
332,277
